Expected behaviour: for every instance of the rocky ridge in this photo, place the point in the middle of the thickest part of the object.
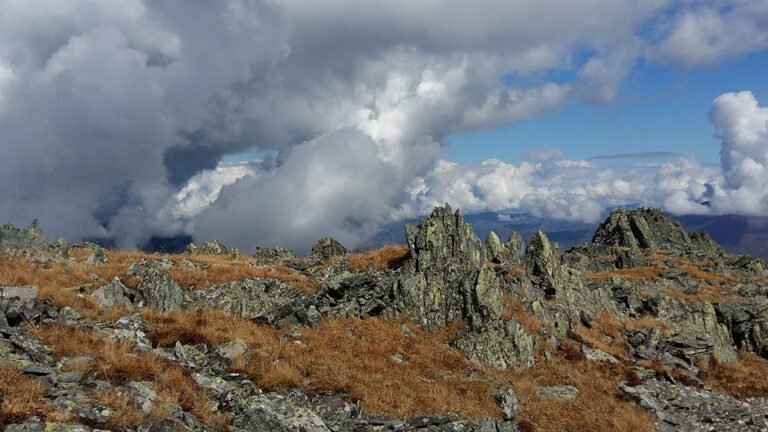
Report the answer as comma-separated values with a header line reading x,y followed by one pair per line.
x,y
666,309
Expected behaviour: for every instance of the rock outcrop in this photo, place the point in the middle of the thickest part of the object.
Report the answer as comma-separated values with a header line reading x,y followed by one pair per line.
x,y
30,241
650,228
213,247
446,278
327,248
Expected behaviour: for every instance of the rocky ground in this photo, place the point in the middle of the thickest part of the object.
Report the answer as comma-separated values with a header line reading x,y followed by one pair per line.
x,y
646,328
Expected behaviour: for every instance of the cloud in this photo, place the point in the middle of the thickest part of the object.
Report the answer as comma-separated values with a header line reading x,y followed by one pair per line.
x,y
115,115
644,155
708,32
743,128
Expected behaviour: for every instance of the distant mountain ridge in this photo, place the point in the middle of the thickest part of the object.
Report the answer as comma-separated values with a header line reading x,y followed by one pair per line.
x,y
736,234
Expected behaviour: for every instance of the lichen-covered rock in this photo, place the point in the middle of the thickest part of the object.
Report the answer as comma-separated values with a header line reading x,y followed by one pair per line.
x,y
542,259
97,256
503,345
695,331
506,399
236,349
677,407
157,290
21,292
444,278
509,253
262,300
650,228
112,295
30,241
273,255
747,322
213,247
327,248
562,391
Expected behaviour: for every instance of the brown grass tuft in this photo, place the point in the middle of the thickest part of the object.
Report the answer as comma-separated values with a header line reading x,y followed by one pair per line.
x,y
387,257
515,309
599,406
707,276
23,396
743,379
117,363
638,273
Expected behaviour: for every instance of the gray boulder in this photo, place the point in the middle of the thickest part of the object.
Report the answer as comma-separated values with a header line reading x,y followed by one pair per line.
x,y
747,322
506,399
21,292
157,290
112,295
650,228
273,255
445,277
30,241
213,247
510,253
262,300
327,248
97,256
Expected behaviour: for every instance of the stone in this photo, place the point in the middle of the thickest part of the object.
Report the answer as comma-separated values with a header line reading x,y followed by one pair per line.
x,y
562,392
506,399
503,345
542,259
327,248
157,290
445,277
24,292
263,300
695,332
747,323
273,255
236,349
650,228
97,256
509,253
595,354
213,247
674,406
112,295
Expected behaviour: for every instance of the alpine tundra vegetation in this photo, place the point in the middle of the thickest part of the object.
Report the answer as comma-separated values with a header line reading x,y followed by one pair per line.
x,y
648,327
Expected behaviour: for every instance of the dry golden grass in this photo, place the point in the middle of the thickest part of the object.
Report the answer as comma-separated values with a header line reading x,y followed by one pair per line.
x,y
515,309
707,293
354,356
23,396
638,273
599,406
117,363
606,335
515,272
127,415
54,278
387,257
346,355
743,379
707,276
659,256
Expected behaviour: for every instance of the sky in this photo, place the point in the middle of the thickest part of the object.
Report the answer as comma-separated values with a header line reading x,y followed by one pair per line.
x,y
278,122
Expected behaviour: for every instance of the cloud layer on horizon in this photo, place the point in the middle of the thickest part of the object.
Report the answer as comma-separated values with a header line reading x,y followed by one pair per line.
x,y
114,115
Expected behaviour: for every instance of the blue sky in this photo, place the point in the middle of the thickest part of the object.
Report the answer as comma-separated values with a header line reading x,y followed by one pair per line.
x,y
660,108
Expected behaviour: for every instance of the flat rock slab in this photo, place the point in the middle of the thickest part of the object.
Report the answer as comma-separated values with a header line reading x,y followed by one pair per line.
x,y
22,292
562,392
